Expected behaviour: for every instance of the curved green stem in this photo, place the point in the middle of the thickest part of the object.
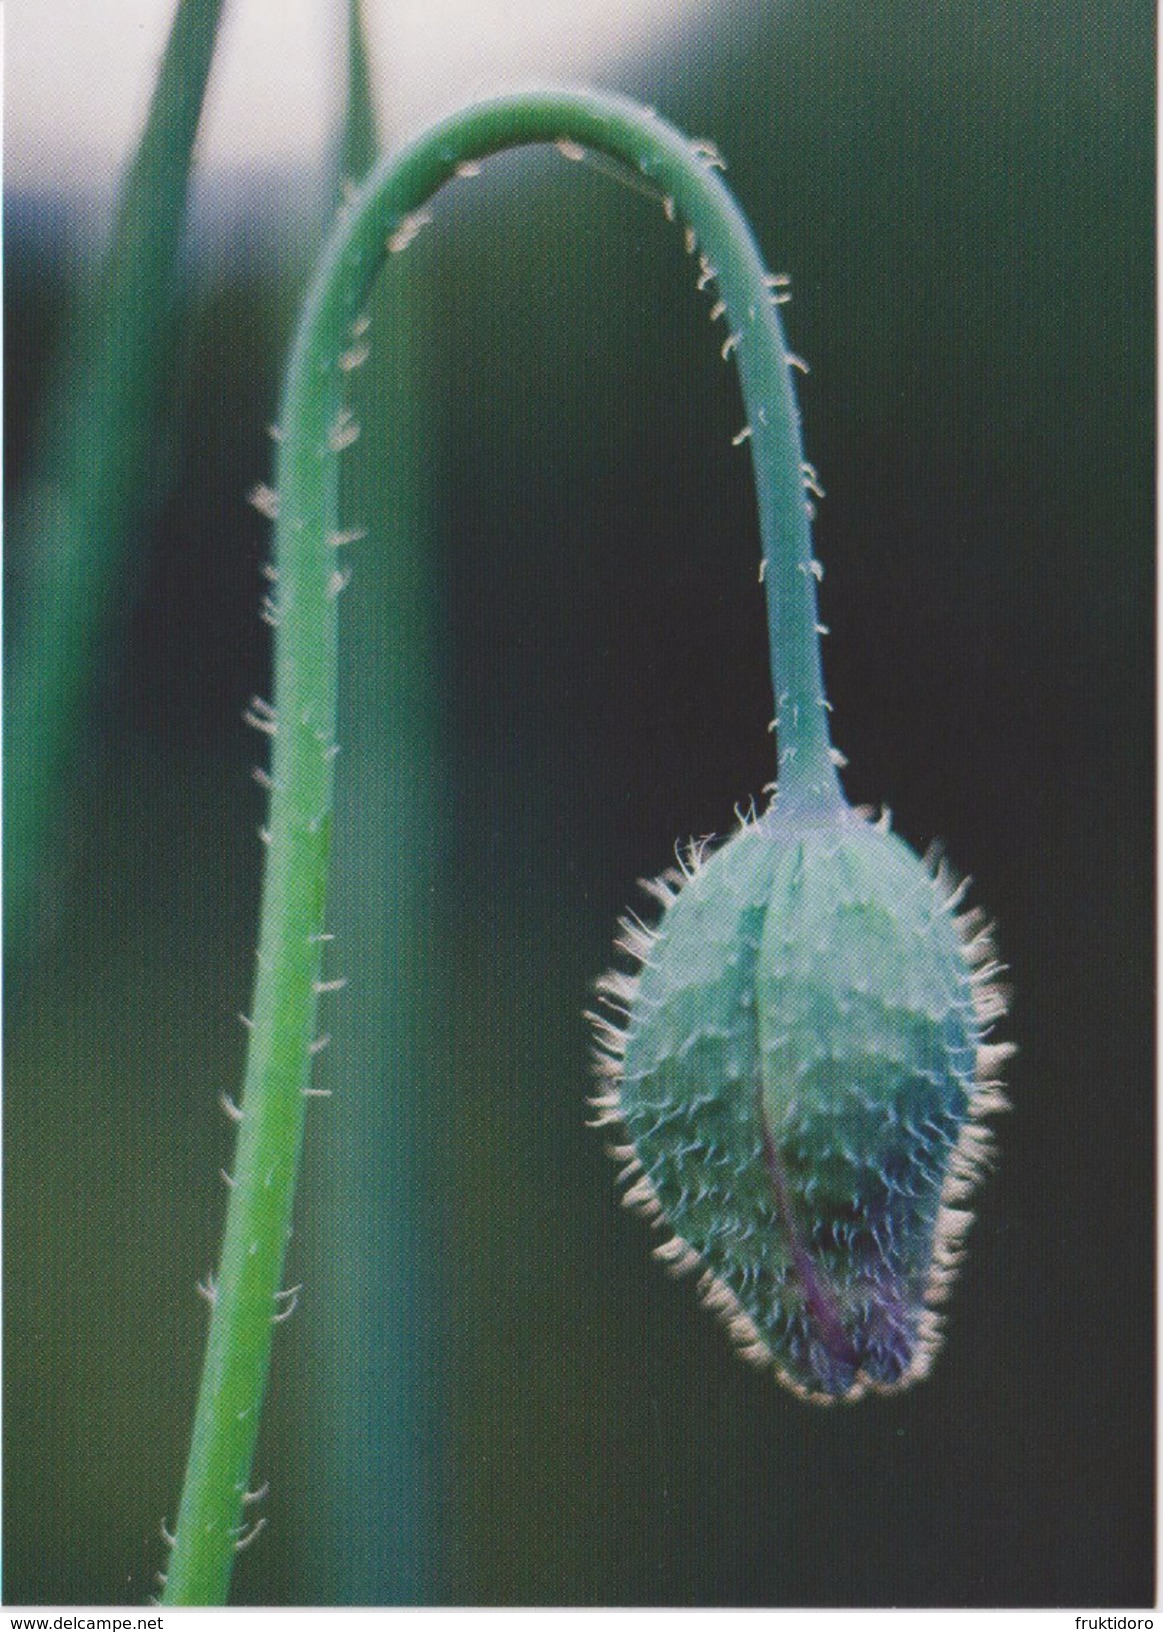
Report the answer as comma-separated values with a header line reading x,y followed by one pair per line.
x,y
380,221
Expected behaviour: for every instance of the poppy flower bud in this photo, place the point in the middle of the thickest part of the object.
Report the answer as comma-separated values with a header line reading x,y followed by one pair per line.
x,y
801,1066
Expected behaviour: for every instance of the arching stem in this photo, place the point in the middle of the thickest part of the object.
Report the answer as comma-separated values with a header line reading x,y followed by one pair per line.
x,y
380,221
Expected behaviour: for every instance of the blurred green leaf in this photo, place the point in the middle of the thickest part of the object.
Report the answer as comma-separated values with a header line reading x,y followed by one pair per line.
x,y
78,522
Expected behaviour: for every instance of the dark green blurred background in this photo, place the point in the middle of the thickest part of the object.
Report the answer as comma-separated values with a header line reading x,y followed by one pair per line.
x,y
568,674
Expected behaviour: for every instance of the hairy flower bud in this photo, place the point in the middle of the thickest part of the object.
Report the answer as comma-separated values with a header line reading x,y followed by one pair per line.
x,y
801,1067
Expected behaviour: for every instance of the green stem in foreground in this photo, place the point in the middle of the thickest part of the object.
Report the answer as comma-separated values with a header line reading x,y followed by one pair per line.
x,y
380,221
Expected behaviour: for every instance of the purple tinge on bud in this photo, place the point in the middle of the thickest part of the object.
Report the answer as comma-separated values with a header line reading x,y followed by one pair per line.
x,y
801,1067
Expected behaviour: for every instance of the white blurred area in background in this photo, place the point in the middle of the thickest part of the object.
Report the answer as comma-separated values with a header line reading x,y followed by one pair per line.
x,y
78,73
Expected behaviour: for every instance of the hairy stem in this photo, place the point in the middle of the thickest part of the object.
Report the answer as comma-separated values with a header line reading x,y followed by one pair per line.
x,y
380,221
